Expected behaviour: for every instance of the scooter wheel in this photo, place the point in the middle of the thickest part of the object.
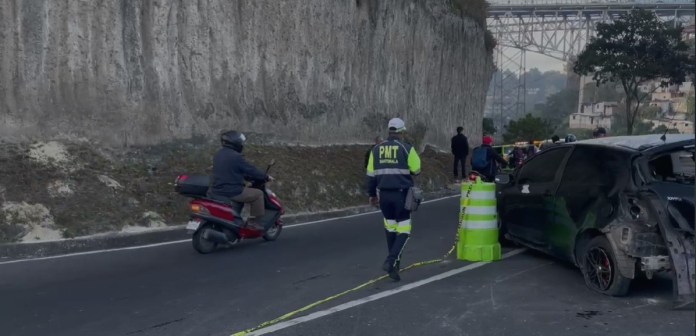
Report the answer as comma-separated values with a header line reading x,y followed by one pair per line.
x,y
202,245
273,232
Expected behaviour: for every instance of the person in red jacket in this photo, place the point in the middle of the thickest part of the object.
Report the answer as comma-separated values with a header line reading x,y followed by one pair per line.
x,y
485,159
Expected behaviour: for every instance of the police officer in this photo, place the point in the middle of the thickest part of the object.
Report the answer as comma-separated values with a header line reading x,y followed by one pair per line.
x,y
390,168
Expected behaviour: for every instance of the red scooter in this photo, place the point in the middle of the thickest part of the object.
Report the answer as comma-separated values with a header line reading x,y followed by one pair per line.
x,y
216,222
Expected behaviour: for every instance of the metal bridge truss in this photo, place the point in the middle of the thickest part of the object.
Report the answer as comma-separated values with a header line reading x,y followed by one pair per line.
x,y
557,31
509,87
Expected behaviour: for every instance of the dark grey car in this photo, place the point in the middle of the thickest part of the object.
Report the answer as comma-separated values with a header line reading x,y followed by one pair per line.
x,y
614,207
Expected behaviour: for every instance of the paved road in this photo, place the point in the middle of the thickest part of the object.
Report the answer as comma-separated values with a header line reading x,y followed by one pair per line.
x,y
171,290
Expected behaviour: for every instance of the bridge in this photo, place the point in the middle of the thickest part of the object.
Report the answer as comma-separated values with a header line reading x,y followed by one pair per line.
x,y
559,29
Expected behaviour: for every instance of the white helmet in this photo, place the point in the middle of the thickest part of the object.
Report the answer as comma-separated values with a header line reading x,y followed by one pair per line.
x,y
396,125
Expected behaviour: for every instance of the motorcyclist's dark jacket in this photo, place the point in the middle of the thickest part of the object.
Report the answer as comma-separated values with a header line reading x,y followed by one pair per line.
x,y
230,169
391,165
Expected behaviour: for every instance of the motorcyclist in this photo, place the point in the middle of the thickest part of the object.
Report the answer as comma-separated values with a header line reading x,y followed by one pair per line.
x,y
230,169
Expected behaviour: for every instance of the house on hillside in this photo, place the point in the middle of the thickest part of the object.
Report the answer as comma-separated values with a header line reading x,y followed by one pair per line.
x,y
689,32
671,99
592,116
680,105
673,103
683,126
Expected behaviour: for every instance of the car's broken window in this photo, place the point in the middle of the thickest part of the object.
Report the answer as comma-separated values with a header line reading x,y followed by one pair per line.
x,y
676,166
592,174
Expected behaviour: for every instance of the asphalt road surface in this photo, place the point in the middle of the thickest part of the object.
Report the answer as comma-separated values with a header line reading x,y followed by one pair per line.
x,y
172,290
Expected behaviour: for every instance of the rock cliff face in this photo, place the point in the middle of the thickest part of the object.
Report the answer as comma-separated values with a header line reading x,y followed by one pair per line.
x,y
129,72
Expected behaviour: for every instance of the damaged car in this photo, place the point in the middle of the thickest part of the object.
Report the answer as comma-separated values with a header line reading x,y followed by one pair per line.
x,y
616,207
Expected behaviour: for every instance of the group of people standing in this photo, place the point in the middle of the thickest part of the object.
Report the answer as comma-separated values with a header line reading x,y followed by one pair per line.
x,y
486,160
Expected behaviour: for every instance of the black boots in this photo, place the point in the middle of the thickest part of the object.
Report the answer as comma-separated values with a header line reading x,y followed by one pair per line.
x,y
392,270
396,243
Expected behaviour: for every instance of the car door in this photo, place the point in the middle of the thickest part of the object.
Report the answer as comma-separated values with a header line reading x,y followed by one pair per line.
x,y
525,210
587,195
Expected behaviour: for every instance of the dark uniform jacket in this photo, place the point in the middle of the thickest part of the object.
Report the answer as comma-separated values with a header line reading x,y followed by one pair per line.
x,y
391,165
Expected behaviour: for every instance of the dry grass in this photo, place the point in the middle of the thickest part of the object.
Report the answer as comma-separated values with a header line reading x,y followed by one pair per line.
x,y
308,179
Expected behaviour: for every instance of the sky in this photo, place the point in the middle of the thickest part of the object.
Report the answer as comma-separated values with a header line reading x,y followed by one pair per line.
x,y
534,60
543,63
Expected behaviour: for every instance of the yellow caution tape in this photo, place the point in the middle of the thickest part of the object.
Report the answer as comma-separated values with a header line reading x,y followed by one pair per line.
x,y
312,305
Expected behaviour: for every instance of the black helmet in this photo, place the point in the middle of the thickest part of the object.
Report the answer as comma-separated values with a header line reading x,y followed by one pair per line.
x,y
599,131
233,139
571,138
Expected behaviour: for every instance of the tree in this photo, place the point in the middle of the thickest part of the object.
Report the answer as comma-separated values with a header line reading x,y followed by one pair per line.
x,y
636,48
640,127
558,107
527,128
608,92
541,85
649,112
662,129
488,126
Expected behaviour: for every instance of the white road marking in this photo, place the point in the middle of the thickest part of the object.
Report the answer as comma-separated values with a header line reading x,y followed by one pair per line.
x,y
188,240
375,297
95,252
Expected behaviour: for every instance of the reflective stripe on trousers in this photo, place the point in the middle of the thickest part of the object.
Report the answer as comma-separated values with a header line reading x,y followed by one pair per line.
x,y
398,227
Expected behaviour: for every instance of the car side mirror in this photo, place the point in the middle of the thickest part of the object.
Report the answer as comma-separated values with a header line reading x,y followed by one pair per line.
x,y
503,179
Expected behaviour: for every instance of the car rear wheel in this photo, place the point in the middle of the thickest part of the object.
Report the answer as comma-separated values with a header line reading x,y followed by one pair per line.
x,y
600,269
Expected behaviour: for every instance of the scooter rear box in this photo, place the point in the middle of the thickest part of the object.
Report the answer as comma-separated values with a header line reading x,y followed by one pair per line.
x,y
195,185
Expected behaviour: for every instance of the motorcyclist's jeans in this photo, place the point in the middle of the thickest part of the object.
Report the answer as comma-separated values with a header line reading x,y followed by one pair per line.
x,y
255,198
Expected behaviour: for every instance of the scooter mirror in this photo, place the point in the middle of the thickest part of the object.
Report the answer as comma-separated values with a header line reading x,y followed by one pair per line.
x,y
272,163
